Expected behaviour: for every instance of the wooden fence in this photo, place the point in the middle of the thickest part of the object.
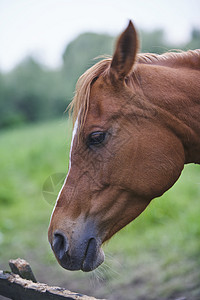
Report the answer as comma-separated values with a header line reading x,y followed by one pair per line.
x,y
20,284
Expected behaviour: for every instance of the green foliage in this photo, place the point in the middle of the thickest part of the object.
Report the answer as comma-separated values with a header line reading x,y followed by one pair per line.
x,y
194,42
31,93
153,42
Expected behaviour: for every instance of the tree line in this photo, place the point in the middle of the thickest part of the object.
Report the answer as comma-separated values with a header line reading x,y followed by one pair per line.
x,y
31,92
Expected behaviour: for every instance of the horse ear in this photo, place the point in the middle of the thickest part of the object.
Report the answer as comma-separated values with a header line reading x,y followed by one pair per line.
x,y
125,53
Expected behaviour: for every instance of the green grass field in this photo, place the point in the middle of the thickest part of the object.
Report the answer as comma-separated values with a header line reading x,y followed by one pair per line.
x,y
156,257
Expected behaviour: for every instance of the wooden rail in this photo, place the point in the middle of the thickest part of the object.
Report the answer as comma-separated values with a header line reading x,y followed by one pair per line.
x,y
21,284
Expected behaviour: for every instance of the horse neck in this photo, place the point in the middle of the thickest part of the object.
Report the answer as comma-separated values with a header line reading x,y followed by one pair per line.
x,y
175,94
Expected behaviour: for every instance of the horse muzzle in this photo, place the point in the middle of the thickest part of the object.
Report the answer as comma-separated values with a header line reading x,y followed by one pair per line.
x,y
83,253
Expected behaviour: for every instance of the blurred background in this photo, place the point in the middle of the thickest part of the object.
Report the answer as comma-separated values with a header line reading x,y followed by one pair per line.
x,y
44,47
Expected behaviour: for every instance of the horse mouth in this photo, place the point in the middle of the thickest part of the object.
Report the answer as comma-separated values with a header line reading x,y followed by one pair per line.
x,y
93,257
85,255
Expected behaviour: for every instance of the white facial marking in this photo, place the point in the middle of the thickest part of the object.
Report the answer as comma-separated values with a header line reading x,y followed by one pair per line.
x,y
72,142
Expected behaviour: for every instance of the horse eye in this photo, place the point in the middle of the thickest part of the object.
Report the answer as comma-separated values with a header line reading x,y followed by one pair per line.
x,y
96,138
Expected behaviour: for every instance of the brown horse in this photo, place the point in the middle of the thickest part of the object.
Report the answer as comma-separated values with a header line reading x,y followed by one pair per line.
x,y
137,124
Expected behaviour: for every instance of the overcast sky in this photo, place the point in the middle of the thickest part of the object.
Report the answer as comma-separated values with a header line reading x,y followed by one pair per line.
x,y
44,27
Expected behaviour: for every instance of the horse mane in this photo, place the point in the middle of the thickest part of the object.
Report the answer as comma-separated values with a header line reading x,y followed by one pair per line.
x,y
189,59
80,103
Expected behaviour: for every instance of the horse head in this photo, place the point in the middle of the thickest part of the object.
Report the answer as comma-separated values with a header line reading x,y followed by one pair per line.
x,y
122,156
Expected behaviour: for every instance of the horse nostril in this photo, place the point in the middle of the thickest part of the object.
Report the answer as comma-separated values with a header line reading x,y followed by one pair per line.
x,y
60,244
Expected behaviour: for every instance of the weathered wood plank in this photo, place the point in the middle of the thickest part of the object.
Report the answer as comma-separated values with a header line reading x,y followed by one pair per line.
x,y
22,268
17,288
22,285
